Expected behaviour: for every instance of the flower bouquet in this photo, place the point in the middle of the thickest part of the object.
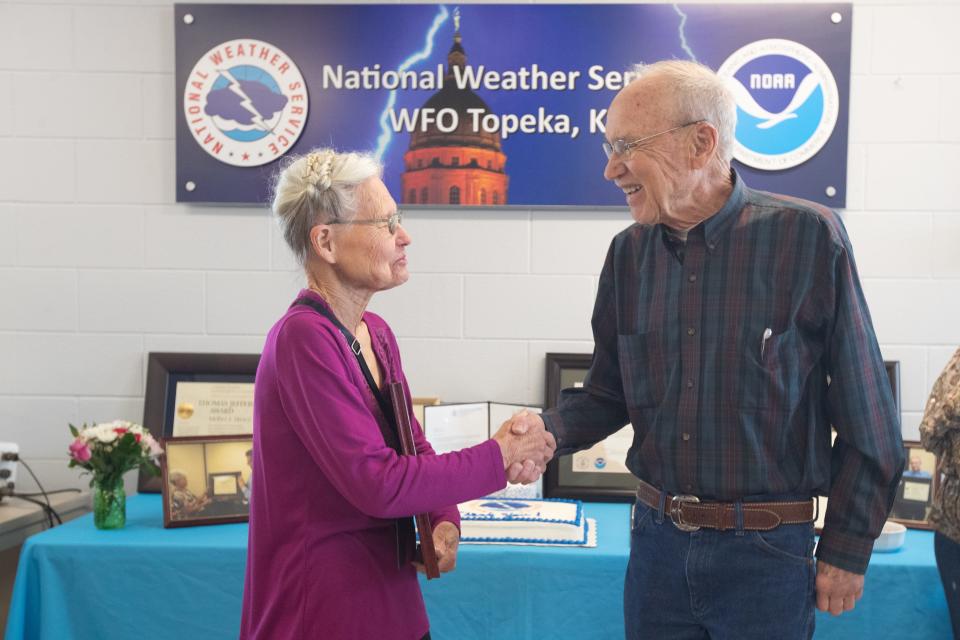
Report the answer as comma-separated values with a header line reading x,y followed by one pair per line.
x,y
108,451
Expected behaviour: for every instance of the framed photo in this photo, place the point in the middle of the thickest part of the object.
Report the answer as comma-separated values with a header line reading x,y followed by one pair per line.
x,y
598,473
206,480
917,487
197,394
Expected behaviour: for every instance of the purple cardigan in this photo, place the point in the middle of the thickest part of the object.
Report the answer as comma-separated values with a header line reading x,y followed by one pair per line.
x,y
321,561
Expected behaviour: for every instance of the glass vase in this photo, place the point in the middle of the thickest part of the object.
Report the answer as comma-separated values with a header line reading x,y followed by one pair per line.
x,y
109,504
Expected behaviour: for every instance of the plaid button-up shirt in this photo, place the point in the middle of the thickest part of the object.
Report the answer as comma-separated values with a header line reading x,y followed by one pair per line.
x,y
733,359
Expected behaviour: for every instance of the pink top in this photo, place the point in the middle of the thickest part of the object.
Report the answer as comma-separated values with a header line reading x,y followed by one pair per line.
x,y
321,561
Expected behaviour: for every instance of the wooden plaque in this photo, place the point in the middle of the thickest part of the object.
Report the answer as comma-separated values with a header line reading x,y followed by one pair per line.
x,y
426,550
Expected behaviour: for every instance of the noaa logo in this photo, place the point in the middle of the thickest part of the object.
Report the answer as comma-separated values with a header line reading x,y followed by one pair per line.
x,y
599,463
787,103
245,102
504,505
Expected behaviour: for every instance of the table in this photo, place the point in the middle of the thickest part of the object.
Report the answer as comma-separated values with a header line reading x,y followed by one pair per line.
x,y
145,581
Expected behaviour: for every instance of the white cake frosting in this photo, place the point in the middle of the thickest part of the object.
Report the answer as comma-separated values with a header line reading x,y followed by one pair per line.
x,y
523,521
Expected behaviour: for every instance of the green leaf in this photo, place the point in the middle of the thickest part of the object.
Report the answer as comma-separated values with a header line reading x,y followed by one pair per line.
x,y
74,431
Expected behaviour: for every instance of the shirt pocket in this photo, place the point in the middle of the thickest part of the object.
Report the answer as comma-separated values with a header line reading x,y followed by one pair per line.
x,y
770,369
642,368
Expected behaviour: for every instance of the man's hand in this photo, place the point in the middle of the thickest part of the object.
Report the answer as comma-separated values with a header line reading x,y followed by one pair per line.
x,y
837,590
521,424
526,447
446,540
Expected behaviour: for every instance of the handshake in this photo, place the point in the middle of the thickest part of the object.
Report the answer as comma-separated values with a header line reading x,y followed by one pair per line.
x,y
526,447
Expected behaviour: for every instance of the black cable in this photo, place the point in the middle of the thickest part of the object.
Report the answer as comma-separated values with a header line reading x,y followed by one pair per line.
x,y
42,491
49,511
28,497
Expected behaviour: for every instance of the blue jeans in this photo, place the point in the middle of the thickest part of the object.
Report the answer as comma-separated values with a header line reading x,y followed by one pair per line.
x,y
722,585
947,553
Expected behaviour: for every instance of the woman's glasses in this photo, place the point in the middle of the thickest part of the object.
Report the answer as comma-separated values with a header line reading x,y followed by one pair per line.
x,y
392,222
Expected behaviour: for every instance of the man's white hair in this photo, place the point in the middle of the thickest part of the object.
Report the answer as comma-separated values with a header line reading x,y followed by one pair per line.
x,y
698,94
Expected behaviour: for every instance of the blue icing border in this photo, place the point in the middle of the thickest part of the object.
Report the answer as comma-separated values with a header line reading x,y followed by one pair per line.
x,y
516,518
586,537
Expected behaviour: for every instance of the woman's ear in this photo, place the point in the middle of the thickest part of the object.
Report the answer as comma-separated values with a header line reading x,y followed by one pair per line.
x,y
322,244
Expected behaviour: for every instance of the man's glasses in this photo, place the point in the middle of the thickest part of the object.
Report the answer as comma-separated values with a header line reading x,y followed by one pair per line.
x,y
392,221
621,146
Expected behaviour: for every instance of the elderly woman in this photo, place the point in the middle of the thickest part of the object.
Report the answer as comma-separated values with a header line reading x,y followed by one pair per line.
x,y
184,502
332,500
940,432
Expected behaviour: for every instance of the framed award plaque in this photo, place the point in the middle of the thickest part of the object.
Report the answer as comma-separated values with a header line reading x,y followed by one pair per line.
x,y
197,395
598,473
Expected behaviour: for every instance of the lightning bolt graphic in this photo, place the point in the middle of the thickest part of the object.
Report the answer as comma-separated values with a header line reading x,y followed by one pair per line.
x,y
683,36
386,134
246,103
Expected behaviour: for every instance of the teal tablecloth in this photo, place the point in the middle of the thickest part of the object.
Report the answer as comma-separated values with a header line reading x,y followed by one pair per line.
x,y
146,582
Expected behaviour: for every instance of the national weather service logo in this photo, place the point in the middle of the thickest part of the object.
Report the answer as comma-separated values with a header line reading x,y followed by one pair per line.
x,y
245,102
787,103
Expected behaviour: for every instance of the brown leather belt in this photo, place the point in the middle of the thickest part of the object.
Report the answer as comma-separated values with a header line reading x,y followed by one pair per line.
x,y
689,514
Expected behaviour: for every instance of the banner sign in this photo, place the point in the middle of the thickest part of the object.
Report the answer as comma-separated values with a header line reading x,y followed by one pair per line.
x,y
495,105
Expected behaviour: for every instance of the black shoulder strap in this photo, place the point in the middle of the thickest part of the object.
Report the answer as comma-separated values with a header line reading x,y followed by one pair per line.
x,y
390,436
404,533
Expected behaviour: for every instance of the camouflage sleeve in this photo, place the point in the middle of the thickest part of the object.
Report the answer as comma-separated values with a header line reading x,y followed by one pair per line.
x,y
942,414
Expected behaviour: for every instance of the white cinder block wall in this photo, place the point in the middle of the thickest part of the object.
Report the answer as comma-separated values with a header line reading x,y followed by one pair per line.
x,y
98,266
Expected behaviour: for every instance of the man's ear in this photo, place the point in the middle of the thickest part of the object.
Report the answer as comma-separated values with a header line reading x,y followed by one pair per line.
x,y
703,141
322,243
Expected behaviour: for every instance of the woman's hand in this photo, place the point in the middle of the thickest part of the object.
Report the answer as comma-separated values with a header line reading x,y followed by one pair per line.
x,y
446,540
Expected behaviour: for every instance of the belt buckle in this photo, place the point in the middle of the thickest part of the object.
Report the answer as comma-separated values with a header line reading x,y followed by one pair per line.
x,y
675,516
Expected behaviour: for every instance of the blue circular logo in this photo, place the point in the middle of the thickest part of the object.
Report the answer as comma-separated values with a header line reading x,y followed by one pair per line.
x,y
787,103
600,463
245,102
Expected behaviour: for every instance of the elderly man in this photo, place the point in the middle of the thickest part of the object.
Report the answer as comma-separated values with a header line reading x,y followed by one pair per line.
x,y
916,468
731,330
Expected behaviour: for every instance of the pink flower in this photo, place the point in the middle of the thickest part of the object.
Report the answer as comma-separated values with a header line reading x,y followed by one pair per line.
x,y
153,446
79,450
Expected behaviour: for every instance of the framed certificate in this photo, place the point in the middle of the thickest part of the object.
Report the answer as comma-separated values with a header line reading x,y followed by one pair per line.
x,y
197,395
599,473
451,427
420,403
